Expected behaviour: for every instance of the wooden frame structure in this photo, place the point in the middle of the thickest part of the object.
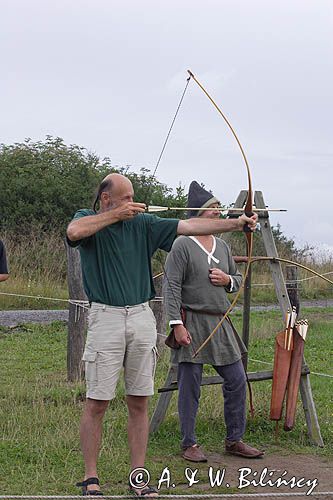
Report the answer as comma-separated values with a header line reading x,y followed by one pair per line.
x,y
284,303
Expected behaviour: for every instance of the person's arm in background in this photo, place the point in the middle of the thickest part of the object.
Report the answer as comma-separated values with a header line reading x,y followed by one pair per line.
x,y
4,275
175,270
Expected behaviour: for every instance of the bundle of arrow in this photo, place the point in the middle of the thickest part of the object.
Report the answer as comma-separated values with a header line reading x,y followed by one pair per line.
x,y
302,327
289,348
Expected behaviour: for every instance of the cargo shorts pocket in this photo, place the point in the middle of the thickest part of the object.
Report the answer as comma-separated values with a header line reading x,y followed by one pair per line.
x,y
90,357
155,357
153,317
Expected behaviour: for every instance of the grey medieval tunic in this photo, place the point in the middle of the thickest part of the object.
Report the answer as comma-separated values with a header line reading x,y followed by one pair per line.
x,y
187,285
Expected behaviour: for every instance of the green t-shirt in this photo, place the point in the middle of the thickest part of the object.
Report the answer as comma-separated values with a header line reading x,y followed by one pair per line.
x,y
116,261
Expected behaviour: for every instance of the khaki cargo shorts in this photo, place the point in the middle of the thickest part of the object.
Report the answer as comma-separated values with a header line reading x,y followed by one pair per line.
x,y
120,337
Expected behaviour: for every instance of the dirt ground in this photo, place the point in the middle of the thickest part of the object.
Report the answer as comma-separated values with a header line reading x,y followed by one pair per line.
x,y
237,474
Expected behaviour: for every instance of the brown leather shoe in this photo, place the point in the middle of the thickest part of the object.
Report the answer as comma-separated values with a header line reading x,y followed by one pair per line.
x,y
194,454
242,449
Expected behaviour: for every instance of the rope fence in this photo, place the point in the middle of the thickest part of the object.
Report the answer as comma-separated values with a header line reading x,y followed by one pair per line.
x,y
271,363
84,304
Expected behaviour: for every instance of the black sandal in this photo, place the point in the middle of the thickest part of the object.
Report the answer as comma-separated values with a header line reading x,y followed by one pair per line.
x,y
146,490
86,482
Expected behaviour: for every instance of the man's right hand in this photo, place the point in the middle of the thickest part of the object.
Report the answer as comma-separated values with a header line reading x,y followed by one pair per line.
x,y
128,210
182,335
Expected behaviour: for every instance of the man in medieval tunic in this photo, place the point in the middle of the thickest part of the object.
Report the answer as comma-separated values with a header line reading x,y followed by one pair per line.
x,y
200,272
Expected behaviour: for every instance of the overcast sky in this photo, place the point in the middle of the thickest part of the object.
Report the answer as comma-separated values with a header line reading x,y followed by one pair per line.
x,y
108,75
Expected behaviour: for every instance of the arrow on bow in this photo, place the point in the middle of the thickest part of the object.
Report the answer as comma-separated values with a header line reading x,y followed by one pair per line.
x,y
223,210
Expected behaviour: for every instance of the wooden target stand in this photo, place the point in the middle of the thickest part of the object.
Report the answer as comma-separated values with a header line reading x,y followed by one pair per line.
x,y
170,384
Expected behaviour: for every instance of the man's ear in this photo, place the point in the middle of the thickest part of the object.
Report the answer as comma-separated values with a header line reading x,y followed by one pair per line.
x,y
105,198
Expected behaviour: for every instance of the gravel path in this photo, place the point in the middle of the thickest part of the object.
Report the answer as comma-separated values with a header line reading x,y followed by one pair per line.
x,y
14,318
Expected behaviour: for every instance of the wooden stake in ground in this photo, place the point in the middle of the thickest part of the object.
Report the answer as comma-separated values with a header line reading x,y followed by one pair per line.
x,y
76,322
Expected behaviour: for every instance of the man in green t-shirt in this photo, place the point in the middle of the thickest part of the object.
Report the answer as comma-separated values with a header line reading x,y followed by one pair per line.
x,y
116,244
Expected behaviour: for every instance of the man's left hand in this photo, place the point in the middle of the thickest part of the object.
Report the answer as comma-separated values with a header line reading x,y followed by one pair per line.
x,y
251,221
218,277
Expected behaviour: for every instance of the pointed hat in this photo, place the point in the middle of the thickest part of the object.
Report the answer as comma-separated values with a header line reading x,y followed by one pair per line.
x,y
198,197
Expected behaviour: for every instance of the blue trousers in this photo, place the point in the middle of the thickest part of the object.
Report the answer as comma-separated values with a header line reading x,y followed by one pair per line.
x,y
234,393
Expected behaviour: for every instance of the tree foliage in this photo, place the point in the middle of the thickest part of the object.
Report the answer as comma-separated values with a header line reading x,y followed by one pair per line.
x,y
44,183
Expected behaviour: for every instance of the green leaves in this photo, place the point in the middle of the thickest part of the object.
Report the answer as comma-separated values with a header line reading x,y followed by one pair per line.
x,y
45,182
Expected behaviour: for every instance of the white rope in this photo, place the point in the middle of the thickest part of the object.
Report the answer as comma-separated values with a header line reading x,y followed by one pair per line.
x,y
84,304
34,297
259,361
81,303
312,373
322,374
262,284
217,495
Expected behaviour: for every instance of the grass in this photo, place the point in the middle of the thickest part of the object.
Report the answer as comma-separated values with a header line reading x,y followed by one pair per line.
x,y
40,411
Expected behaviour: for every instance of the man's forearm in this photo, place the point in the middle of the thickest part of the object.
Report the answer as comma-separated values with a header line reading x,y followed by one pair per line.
x,y
198,227
89,225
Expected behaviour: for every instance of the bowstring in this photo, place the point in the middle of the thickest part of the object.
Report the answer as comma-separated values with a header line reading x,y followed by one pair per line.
x,y
154,176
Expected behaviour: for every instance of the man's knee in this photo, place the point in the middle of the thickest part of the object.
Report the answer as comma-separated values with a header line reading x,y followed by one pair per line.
x,y
96,407
137,405
234,377
189,372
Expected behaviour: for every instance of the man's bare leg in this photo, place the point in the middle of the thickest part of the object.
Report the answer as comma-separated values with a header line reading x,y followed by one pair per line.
x,y
138,430
90,436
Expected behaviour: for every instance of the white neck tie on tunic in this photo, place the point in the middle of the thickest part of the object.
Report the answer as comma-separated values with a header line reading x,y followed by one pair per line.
x,y
209,254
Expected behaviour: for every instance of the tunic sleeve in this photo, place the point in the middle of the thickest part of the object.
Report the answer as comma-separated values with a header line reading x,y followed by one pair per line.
x,y
175,271
234,273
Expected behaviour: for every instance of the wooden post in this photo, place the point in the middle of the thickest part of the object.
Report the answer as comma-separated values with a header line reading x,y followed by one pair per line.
x,y
163,400
246,315
77,317
271,251
310,412
159,312
292,287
